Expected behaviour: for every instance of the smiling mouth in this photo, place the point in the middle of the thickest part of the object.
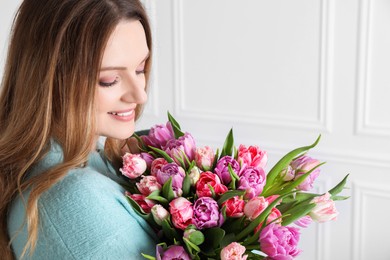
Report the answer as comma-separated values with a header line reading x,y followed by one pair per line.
x,y
129,113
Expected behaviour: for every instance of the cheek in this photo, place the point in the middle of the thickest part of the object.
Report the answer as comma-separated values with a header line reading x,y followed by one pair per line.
x,y
104,100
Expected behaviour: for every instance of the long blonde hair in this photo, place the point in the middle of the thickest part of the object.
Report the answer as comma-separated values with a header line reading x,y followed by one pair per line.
x,y
48,91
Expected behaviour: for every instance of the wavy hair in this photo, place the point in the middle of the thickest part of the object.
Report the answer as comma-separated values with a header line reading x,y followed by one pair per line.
x,y
48,91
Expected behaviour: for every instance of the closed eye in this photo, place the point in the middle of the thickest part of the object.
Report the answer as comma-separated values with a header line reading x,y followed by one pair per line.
x,y
108,84
138,72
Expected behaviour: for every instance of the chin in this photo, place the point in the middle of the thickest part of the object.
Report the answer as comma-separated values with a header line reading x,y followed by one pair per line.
x,y
120,135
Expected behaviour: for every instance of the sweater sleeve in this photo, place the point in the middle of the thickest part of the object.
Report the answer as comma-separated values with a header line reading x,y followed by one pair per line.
x,y
86,216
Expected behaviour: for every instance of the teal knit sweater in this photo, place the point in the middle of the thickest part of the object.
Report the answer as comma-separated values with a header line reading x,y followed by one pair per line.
x,y
83,216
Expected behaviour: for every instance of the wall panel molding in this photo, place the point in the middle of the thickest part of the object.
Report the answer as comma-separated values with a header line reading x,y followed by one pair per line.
x,y
151,108
362,191
321,123
349,157
363,124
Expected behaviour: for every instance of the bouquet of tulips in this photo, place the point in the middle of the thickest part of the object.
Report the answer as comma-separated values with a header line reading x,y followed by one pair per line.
x,y
222,204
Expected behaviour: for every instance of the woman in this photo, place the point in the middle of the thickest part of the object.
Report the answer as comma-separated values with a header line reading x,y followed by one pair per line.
x,y
75,70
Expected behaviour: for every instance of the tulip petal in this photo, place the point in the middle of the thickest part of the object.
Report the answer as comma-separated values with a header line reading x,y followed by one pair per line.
x,y
284,162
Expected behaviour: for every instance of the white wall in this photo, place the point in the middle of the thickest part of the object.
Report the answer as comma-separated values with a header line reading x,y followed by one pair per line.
x,y
280,73
7,10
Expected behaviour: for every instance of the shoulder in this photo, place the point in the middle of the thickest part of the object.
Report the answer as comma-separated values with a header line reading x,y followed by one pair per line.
x,y
87,215
90,213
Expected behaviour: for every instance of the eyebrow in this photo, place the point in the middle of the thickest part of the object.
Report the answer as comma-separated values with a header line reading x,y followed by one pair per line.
x,y
122,67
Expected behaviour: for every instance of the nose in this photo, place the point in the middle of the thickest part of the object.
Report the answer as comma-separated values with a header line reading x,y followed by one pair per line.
x,y
135,91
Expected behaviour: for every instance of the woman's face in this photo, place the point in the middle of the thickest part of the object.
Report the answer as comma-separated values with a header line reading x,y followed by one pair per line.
x,y
121,85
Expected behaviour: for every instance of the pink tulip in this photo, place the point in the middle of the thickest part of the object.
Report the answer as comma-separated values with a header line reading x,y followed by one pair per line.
x,y
194,175
181,212
207,180
148,184
156,165
133,165
142,201
274,217
252,156
159,214
233,251
204,158
234,207
254,207
324,210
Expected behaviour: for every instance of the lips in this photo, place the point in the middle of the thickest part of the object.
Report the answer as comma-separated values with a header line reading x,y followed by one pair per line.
x,y
128,113
124,115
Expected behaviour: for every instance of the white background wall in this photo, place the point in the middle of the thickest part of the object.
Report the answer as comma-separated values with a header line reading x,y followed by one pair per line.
x,y
280,73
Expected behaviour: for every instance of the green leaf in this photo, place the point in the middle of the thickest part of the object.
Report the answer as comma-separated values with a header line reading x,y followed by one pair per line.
x,y
253,256
252,225
335,198
339,187
232,184
212,190
232,173
284,162
191,246
227,239
213,238
146,216
254,239
223,212
284,206
175,126
158,198
234,225
301,196
141,144
293,184
136,206
169,231
297,212
181,161
230,194
167,190
186,185
216,158
162,153
148,256
228,145
192,249
196,237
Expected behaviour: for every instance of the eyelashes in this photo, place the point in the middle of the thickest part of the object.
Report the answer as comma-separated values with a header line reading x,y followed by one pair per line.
x,y
108,84
140,72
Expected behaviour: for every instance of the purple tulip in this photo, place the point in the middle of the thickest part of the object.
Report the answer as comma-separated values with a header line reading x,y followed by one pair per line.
x,y
301,166
304,221
252,180
206,213
222,168
159,135
184,145
171,170
173,252
279,242
148,159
